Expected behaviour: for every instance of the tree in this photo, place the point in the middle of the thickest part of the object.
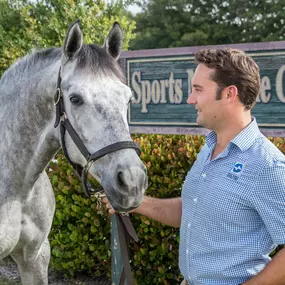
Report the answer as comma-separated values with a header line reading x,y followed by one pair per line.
x,y
165,23
29,24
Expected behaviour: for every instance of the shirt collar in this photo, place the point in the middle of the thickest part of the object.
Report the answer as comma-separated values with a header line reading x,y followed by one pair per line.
x,y
211,139
243,140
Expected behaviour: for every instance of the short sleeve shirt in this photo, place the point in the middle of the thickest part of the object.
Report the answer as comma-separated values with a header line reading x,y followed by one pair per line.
x,y
233,210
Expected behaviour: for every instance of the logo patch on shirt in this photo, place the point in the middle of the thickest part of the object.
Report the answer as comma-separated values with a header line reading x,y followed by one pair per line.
x,y
236,171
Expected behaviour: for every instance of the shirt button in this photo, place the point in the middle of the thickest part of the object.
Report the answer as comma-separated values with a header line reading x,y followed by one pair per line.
x,y
187,251
189,225
195,200
204,175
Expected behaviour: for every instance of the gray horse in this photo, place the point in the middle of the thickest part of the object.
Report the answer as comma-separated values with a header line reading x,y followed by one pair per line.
x,y
96,102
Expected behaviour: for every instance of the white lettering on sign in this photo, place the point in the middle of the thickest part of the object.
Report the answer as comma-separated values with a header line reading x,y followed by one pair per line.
x,y
146,96
156,92
265,85
190,73
170,91
137,93
279,84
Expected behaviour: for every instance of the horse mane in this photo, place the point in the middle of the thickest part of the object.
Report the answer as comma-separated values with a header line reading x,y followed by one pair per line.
x,y
31,63
90,56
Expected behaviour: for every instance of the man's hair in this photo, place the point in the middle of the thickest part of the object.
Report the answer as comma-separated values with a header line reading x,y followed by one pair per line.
x,y
233,67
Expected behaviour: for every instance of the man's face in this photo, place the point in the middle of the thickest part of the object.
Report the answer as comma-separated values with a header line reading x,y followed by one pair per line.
x,y
203,97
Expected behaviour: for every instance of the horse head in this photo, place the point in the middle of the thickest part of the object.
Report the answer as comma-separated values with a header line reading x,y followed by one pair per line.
x,y
96,102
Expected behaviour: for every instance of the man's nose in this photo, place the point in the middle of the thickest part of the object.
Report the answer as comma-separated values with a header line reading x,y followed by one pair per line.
x,y
191,99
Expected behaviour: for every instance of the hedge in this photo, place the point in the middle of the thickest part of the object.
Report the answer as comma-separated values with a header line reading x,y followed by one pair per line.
x,y
80,235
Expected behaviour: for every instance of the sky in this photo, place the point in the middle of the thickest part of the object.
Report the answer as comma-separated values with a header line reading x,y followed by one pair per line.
x,y
134,8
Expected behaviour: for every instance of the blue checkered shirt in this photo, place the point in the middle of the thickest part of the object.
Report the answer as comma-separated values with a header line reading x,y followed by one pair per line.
x,y
233,210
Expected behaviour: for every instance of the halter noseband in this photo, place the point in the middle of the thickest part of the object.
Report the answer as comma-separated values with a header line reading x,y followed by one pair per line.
x,y
65,125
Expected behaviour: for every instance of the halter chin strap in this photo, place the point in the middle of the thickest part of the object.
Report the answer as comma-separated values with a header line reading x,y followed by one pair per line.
x,y
65,125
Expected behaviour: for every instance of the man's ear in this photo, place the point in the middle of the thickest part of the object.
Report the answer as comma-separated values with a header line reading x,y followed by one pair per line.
x,y
231,93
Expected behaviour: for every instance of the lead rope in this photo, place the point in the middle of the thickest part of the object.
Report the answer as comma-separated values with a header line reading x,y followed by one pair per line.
x,y
126,231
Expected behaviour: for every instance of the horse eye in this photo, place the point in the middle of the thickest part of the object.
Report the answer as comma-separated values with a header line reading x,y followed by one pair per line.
x,y
76,100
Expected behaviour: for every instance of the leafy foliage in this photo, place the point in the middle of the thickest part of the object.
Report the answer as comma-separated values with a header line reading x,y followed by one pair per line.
x,y
80,233
164,23
25,25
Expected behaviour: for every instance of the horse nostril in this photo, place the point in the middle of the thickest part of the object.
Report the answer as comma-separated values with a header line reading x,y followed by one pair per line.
x,y
128,181
120,179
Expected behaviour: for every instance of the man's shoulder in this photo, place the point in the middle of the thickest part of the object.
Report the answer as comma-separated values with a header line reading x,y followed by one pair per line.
x,y
266,152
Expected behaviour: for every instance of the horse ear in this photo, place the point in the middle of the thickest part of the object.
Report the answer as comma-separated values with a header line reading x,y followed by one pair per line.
x,y
73,40
114,41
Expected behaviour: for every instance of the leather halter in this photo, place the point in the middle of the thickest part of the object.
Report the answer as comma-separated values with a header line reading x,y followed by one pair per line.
x,y
65,125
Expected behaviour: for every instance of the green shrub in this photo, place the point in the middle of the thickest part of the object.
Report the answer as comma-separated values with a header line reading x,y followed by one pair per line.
x,y
80,235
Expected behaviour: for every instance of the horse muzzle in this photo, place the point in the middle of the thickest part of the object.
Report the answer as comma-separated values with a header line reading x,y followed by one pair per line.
x,y
126,188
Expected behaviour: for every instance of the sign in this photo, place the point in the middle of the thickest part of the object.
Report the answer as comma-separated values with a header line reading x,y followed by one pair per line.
x,y
161,81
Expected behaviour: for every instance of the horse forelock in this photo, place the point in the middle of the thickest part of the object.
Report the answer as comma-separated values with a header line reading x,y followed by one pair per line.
x,y
98,61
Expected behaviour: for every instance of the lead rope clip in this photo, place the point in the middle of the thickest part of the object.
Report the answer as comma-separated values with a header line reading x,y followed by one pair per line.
x,y
99,196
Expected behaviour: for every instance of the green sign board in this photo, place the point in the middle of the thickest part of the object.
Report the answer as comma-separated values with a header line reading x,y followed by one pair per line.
x,y
161,84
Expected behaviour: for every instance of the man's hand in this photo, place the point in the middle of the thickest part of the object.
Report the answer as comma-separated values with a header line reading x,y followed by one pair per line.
x,y
108,206
166,211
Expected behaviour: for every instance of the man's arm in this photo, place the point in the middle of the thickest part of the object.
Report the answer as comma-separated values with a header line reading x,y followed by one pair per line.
x,y
272,274
166,211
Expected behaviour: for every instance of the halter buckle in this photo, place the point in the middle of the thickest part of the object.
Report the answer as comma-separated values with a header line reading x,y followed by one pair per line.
x,y
63,116
57,96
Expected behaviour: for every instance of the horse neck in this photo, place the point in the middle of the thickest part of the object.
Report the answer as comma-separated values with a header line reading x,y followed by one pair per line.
x,y
29,140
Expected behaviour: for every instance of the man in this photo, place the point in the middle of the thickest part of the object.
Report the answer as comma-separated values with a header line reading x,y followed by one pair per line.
x,y
232,210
